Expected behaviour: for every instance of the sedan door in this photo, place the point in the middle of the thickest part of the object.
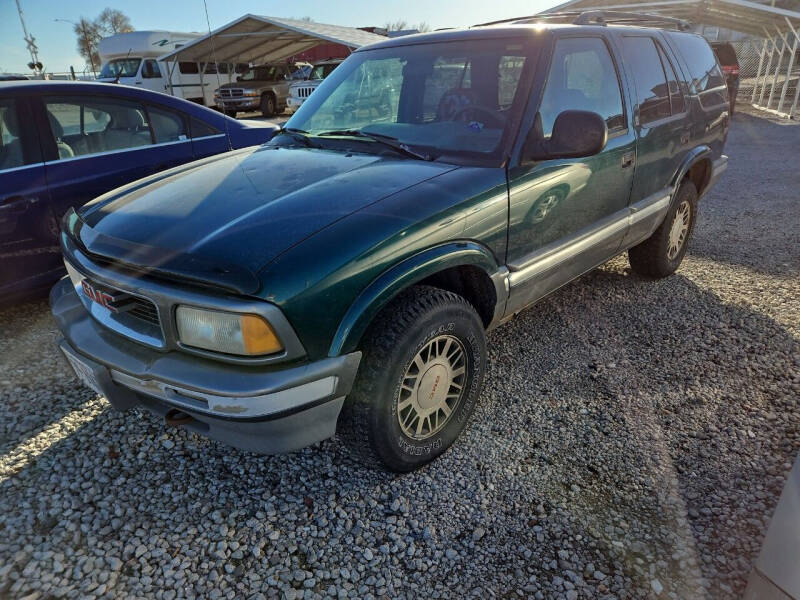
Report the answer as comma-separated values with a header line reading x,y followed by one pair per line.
x,y
29,253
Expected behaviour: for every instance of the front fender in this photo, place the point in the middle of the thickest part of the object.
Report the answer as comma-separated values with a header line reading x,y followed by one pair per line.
x,y
408,272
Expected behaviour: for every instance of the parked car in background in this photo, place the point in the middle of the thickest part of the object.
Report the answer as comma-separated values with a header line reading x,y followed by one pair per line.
x,y
64,143
133,59
431,189
300,90
726,55
264,88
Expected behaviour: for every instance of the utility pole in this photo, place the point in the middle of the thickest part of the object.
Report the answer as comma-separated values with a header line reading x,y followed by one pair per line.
x,y
35,65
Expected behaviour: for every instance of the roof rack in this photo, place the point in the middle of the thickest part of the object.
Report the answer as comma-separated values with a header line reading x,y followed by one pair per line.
x,y
599,17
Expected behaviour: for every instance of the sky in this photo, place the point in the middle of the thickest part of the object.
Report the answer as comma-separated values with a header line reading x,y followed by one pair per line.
x,y
57,44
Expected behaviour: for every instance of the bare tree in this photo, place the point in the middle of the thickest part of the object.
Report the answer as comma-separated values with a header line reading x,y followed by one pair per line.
x,y
89,35
398,25
112,21
403,25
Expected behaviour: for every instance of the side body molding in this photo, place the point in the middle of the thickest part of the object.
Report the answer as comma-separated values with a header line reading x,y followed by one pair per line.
x,y
412,270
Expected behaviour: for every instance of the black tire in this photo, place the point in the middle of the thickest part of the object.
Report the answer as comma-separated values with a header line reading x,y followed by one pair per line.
x,y
652,257
267,105
419,319
231,113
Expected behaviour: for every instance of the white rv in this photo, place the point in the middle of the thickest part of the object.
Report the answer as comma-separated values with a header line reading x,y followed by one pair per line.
x,y
133,59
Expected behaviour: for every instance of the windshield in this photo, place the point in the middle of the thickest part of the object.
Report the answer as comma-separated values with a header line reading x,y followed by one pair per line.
x,y
322,71
124,67
444,98
266,73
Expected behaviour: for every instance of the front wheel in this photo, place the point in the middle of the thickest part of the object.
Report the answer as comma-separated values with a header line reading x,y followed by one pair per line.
x,y
230,112
661,254
422,373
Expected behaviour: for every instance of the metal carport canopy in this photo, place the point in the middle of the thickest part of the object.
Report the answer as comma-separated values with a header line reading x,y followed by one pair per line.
x,y
739,15
257,39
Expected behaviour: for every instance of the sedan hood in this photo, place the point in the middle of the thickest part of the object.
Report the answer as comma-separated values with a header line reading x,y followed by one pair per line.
x,y
241,210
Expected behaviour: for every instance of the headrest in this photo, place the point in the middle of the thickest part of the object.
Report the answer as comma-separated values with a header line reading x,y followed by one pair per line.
x,y
127,119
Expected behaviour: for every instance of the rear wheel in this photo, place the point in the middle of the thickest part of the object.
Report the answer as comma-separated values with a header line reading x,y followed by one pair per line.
x,y
267,105
661,254
421,375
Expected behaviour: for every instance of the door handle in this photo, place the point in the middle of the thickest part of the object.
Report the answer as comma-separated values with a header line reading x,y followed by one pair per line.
x,y
627,159
13,205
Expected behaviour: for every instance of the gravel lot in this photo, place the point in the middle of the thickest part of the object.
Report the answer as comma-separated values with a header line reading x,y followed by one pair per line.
x,y
632,441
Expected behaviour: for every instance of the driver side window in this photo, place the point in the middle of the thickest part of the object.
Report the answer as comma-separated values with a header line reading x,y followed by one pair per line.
x,y
582,77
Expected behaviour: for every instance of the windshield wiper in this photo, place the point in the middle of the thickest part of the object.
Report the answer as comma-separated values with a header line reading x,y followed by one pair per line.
x,y
298,135
386,140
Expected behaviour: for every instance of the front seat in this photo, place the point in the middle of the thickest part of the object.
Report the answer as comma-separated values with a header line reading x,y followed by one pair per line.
x,y
11,153
64,149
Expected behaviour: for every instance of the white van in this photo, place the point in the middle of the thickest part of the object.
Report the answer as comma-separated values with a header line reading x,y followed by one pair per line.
x,y
133,59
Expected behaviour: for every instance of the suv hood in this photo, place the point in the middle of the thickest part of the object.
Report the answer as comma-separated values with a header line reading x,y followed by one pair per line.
x,y
240,211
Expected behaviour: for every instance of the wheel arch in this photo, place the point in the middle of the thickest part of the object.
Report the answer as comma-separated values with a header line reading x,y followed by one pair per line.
x,y
464,267
697,166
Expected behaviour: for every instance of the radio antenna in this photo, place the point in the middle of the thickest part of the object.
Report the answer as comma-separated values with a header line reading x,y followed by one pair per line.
x,y
216,69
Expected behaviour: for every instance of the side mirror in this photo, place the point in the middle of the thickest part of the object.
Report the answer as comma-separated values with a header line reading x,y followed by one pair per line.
x,y
576,134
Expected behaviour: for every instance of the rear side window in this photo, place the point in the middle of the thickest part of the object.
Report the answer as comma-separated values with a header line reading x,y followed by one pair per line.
x,y
707,79
582,77
201,129
167,126
675,92
641,57
82,125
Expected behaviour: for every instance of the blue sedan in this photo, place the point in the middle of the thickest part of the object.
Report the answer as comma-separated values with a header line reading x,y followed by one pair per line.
x,y
64,143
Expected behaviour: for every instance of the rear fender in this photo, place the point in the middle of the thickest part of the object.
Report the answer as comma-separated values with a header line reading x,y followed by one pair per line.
x,y
692,158
408,272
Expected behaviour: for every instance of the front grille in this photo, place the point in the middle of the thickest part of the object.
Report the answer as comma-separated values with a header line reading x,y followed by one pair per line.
x,y
231,93
305,92
144,310
133,316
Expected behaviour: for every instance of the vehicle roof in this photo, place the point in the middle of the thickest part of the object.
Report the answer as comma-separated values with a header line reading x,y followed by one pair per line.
x,y
500,31
39,86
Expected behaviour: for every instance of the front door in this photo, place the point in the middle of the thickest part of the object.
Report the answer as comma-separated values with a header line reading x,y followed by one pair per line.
x,y
568,216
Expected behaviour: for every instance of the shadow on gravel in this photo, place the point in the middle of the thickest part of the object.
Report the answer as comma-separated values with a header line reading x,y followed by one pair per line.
x,y
754,207
611,412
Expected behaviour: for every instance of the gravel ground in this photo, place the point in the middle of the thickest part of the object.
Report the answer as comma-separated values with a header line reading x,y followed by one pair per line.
x,y
632,441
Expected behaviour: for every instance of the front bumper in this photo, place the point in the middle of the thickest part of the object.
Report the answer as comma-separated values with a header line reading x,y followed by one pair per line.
x,y
294,103
265,409
244,103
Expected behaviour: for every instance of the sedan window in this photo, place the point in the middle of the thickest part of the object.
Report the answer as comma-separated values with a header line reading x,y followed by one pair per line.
x,y
167,126
84,125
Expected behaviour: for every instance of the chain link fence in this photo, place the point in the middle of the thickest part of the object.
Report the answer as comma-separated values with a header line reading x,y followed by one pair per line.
x,y
768,87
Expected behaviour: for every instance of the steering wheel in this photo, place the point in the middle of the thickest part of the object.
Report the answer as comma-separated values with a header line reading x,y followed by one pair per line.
x,y
493,115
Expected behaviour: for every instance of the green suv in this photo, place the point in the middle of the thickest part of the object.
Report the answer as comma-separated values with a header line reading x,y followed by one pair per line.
x,y
430,189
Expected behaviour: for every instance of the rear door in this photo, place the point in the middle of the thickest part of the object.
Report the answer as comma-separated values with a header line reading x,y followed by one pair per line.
x,y
662,128
29,254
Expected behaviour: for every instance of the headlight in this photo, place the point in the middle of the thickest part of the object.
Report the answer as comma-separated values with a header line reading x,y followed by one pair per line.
x,y
231,333
251,93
